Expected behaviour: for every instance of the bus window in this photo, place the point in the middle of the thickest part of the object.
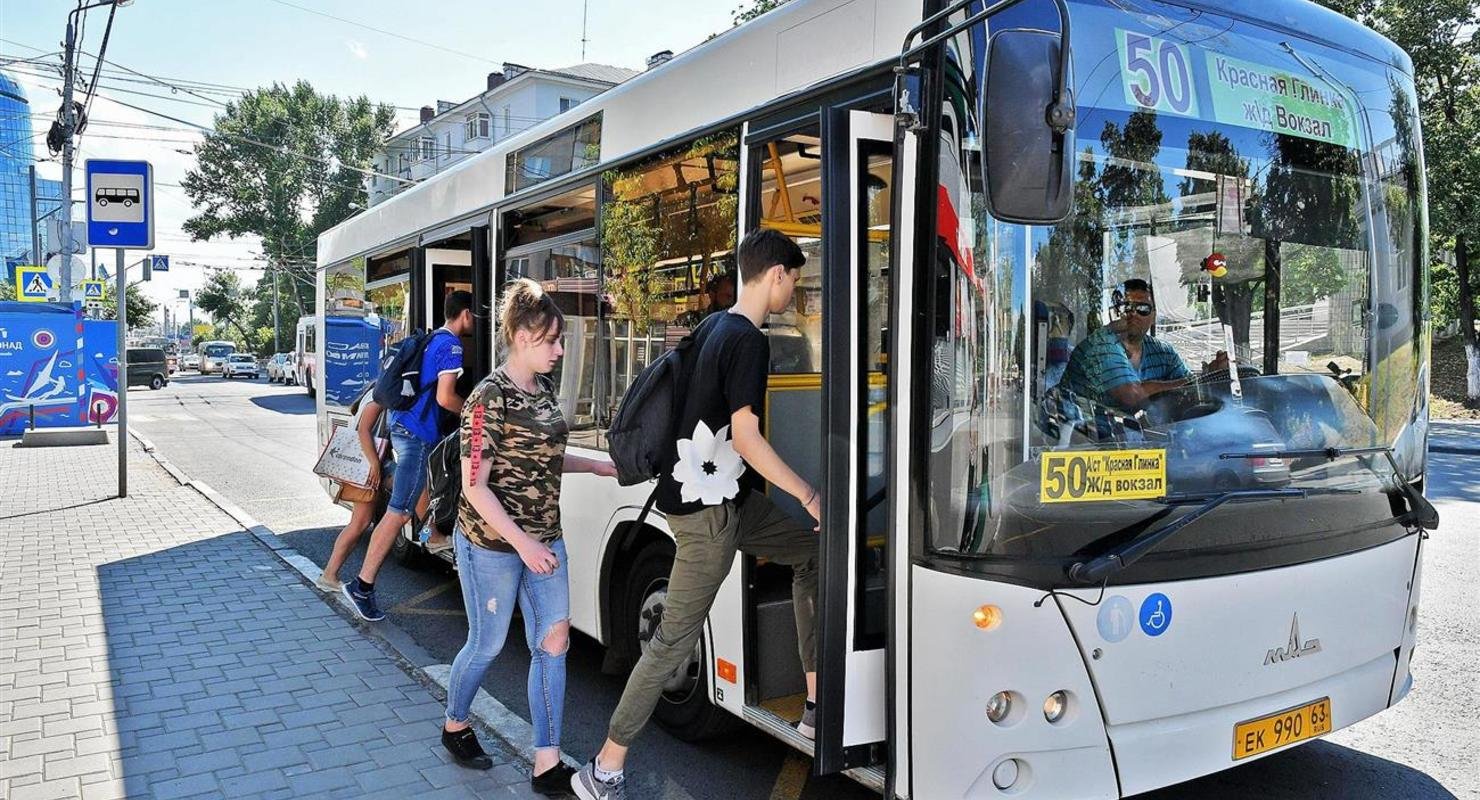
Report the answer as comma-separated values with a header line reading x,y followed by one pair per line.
x,y
876,163
553,242
668,240
388,297
791,202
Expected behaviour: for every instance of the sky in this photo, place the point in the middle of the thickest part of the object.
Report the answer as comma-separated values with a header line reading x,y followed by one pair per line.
x,y
403,53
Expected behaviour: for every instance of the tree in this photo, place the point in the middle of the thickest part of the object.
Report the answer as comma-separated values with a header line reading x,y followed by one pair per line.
x,y
140,308
285,164
227,301
1439,35
742,15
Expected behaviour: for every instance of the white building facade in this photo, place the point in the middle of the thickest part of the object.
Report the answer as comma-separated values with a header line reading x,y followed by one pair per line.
x,y
517,98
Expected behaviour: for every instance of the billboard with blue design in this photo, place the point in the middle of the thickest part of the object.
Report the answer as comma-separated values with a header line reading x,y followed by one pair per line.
x,y
57,365
351,357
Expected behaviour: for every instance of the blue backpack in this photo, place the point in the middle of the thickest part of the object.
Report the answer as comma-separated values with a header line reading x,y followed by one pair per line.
x,y
399,385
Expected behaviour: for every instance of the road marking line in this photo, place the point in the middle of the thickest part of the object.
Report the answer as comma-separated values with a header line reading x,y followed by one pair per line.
x,y
792,779
408,606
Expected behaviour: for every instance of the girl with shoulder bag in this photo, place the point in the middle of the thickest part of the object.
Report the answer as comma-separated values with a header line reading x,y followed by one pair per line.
x,y
508,535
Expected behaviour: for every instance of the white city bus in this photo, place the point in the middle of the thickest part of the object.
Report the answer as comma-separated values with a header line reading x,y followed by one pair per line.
x,y
1025,590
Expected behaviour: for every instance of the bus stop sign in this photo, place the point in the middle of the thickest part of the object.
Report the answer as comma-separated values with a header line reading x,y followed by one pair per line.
x,y
120,204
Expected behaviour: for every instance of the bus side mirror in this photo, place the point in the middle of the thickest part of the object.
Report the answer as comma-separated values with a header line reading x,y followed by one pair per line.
x,y
1029,163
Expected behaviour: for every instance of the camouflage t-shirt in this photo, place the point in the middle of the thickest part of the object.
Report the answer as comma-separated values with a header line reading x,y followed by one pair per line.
x,y
523,435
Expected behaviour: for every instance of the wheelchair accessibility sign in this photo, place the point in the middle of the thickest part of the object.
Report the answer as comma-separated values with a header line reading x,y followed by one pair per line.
x,y
1156,614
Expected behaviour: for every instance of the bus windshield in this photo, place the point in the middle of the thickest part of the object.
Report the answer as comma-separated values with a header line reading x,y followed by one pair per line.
x,y
1241,274
218,350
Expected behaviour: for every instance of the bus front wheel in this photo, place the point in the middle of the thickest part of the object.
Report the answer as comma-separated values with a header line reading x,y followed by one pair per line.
x,y
685,708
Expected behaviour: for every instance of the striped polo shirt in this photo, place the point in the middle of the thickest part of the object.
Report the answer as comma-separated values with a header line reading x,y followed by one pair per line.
x,y
1100,364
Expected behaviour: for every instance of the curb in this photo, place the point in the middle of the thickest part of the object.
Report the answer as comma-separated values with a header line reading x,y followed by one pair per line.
x,y
1454,450
487,712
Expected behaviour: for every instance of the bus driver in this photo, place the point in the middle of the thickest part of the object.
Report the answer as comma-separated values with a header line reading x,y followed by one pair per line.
x,y
1120,364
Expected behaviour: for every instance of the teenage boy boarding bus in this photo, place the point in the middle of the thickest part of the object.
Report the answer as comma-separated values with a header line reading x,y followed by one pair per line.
x,y
714,500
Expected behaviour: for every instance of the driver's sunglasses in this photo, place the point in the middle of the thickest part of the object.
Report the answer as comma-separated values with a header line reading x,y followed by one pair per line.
x,y
1144,309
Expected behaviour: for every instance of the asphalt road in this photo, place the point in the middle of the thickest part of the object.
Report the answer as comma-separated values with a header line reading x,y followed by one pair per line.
x,y
255,443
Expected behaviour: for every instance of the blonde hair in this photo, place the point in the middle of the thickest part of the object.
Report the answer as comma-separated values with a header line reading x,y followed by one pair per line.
x,y
526,306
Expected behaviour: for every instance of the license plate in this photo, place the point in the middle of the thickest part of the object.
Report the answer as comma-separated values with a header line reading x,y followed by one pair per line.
x,y
1277,730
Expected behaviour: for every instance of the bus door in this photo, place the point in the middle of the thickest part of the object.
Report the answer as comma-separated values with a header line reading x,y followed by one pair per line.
x,y
853,605
449,267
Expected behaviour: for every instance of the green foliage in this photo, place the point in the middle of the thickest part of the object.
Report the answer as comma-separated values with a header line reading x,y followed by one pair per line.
x,y
139,307
283,164
1308,274
743,14
227,301
1440,37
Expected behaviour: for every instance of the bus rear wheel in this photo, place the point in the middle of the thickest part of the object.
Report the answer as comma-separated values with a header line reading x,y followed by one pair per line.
x,y
685,709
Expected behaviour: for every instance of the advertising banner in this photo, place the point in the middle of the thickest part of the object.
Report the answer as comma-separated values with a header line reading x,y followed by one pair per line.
x,y
351,357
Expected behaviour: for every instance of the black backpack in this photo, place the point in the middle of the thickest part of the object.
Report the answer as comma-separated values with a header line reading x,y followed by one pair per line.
x,y
444,482
399,385
642,435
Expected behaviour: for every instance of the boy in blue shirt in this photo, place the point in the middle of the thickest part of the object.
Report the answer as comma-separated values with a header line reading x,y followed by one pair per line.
x,y
413,433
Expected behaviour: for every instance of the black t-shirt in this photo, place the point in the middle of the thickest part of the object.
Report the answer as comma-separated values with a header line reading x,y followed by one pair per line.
x,y
728,372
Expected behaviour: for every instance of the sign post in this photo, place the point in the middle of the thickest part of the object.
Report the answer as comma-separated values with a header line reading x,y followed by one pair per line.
x,y
121,300
120,214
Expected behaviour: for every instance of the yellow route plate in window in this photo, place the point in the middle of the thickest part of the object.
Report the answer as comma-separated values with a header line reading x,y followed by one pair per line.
x,y
1277,730
1088,475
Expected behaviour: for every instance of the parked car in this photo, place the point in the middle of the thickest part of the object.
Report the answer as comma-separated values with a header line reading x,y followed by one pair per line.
x,y
191,361
280,368
240,365
147,366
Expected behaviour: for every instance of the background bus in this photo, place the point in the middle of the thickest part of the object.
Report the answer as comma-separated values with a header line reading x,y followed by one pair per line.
x,y
213,355
960,250
306,354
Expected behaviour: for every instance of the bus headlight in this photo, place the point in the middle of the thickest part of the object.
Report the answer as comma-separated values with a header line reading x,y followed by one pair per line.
x,y
999,707
1055,706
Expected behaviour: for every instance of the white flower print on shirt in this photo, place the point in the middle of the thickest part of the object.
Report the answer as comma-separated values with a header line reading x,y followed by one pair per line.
x,y
708,468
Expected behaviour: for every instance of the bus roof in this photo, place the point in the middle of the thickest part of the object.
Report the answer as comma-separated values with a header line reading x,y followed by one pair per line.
x,y
772,56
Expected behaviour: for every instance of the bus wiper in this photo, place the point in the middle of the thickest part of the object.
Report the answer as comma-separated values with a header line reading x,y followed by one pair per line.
x,y
1421,511
1117,559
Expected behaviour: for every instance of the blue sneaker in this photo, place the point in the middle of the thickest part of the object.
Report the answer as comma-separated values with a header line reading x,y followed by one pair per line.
x,y
362,601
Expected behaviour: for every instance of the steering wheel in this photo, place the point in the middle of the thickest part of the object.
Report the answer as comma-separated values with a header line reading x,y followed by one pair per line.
x,y
1245,372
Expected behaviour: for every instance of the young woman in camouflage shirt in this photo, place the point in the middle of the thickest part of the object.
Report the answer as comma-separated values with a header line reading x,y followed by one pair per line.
x,y
507,536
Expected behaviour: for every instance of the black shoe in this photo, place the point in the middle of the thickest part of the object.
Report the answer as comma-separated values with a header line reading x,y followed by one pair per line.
x,y
465,750
553,782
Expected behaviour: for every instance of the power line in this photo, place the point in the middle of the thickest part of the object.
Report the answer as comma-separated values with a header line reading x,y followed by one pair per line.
x,y
92,87
393,34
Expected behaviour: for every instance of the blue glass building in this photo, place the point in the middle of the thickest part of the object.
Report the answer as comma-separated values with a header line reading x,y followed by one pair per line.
x,y
17,154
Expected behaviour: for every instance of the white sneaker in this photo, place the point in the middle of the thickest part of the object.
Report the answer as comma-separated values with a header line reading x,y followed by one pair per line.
x,y
808,726
328,584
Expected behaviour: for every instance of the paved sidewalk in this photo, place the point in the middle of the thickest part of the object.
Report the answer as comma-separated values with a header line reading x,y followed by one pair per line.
x,y
150,647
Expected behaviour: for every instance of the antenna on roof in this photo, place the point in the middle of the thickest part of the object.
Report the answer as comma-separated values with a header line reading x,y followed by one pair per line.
x,y
584,5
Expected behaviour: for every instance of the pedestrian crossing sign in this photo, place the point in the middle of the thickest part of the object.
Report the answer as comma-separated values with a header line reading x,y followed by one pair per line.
x,y
92,290
32,284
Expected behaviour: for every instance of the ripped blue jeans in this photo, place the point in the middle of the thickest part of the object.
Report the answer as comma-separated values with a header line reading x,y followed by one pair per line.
x,y
491,583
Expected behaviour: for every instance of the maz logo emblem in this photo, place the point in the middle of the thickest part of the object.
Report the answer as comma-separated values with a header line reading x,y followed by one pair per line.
x,y
1293,648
